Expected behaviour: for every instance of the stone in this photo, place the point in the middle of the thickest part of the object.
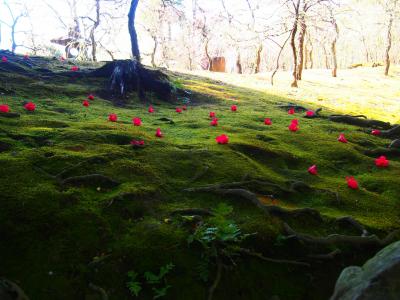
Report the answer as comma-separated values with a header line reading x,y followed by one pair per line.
x,y
377,279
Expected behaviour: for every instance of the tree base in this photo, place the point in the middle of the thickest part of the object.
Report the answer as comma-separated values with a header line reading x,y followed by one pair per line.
x,y
127,76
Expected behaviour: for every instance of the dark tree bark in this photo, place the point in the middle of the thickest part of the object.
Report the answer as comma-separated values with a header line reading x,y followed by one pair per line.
x,y
388,44
302,33
208,55
239,64
153,53
293,43
333,46
132,30
258,59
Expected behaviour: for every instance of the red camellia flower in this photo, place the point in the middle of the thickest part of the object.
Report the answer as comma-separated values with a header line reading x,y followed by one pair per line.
x,y
233,108
74,68
381,162
136,143
90,97
85,103
352,183
291,111
30,106
313,170
4,59
159,133
151,109
137,121
376,132
267,121
214,122
62,58
112,118
342,139
26,56
178,110
293,127
184,107
212,114
4,108
222,139
310,113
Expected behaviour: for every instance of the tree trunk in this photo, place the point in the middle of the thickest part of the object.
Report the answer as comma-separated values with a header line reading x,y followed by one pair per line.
x,y
258,59
326,58
305,57
208,55
333,46
239,64
153,53
92,31
293,44
132,30
302,33
388,44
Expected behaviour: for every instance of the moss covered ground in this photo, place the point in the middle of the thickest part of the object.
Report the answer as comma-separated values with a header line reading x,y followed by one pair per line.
x,y
56,239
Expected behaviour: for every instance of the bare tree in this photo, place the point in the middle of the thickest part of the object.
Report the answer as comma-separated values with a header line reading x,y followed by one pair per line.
x,y
391,6
13,25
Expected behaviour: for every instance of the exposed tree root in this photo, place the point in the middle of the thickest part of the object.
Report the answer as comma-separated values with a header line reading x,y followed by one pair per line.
x,y
337,240
329,256
383,151
217,279
97,180
99,290
192,212
359,121
273,260
126,76
315,115
10,115
395,144
354,223
268,209
200,173
294,106
392,133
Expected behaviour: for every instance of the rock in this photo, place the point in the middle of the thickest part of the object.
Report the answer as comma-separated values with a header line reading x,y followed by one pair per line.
x,y
377,279
11,291
395,144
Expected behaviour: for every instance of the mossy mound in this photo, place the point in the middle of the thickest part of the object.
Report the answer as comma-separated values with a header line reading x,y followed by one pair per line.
x,y
80,205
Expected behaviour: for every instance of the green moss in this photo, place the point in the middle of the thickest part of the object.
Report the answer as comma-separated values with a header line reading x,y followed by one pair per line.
x,y
50,228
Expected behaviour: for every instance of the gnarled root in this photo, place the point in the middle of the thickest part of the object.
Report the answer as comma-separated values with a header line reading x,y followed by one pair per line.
x,y
360,121
392,133
337,240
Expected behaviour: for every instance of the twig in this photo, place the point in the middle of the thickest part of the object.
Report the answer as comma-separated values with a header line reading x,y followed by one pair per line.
x,y
216,280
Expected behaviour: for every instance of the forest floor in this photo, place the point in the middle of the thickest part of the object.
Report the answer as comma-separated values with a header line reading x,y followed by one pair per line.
x,y
69,234
362,90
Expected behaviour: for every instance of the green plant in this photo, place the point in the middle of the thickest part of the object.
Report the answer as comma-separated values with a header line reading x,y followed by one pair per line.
x,y
133,284
220,238
157,282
